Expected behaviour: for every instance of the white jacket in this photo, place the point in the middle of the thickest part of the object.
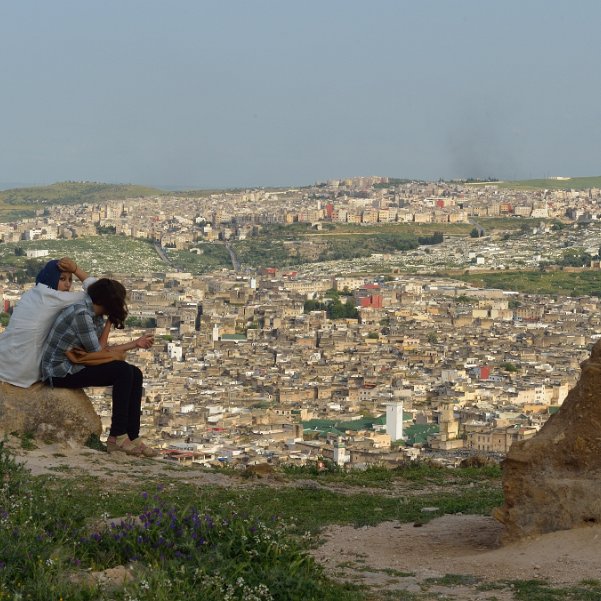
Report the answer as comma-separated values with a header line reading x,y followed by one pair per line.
x,y
21,343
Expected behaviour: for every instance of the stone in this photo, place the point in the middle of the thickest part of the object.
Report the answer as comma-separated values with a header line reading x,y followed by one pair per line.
x,y
553,480
48,414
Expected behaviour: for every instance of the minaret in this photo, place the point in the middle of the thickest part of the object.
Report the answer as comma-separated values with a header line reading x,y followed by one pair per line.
x,y
340,456
394,420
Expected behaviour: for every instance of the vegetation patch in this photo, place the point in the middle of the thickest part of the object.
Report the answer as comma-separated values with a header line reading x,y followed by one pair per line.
x,y
178,541
580,283
201,259
73,193
98,255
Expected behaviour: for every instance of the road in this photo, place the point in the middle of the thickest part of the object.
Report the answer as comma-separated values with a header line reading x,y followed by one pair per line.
x,y
233,257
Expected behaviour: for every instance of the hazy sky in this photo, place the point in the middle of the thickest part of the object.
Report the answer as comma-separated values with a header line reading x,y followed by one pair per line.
x,y
229,93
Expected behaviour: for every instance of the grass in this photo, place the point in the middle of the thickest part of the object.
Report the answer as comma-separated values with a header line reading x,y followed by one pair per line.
x,y
421,473
102,255
182,541
579,283
55,533
537,590
214,256
72,193
574,183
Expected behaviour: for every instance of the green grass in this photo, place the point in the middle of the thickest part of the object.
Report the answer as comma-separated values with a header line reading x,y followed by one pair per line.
x,y
575,183
72,193
213,257
182,541
294,244
98,255
491,224
536,590
539,282
185,541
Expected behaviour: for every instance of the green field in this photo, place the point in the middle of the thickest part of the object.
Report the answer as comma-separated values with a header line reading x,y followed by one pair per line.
x,y
183,538
23,202
281,246
97,254
213,257
574,183
582,283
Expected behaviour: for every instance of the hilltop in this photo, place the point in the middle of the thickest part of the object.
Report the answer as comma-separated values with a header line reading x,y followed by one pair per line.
x,y
20,202
551,183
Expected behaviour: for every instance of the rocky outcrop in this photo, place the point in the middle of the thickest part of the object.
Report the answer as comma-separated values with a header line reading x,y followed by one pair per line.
x,y
553,481
49,414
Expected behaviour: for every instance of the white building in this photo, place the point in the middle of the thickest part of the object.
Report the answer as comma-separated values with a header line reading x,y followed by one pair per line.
x,y
394,420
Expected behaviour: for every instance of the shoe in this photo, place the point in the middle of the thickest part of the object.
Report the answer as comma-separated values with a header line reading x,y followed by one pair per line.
x,y
146,451
122,444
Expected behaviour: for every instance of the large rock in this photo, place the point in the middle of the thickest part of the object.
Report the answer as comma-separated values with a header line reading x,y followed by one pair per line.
x,y
50,414
553,481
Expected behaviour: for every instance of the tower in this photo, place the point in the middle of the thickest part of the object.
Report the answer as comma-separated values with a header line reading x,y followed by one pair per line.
x,y
394,420
340,456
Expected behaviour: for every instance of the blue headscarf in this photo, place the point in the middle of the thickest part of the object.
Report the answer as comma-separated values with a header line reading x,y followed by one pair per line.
x,y
49,275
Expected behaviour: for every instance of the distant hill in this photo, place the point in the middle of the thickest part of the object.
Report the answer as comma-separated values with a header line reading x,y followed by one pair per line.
x,y
571,183
71,193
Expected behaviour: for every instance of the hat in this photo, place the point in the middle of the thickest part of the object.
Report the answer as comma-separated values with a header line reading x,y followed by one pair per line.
x,y
49,275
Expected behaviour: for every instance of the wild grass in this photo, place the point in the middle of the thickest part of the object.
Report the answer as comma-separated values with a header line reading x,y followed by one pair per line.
x,y
55,535
181,541
98,255
578,283
175,540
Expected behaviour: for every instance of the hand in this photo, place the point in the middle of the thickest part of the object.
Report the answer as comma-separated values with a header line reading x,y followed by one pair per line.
x,y
67,264
145,341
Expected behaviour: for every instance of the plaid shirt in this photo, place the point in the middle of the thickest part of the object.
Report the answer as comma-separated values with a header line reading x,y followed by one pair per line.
x,y
76,326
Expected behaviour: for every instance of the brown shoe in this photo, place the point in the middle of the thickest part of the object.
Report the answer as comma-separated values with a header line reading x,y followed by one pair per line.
x,y
146,451
122,444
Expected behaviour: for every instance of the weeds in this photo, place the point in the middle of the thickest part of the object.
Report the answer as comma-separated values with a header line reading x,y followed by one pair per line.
x,y
176,548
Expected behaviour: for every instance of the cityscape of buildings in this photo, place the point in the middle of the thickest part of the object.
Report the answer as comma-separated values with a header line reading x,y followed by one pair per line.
x,y
245,371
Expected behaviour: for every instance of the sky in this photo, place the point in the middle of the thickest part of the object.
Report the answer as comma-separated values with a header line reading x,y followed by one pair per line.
x,y
247,93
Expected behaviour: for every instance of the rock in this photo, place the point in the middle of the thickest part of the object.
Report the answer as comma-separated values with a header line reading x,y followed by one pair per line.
x,y
553,481
49,414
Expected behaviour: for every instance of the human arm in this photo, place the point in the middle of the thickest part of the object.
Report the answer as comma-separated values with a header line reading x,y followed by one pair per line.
x,y
67,264
144,342
104,337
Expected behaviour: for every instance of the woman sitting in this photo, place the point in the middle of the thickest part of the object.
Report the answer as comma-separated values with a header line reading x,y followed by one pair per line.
x,y
22,341
81,325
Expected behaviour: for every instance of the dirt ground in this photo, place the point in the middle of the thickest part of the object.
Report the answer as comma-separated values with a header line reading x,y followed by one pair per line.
x,y
451,557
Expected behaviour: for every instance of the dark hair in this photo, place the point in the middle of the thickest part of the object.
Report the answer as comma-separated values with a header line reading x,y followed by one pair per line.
x,y
110,294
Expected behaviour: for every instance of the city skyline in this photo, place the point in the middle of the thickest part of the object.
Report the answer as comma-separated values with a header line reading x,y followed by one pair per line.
x,y
239,95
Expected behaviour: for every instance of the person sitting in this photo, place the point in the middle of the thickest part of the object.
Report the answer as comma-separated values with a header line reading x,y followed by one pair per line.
x,y
22,341
81,325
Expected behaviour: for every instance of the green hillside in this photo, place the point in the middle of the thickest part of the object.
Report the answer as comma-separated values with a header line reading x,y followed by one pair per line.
x,y
23,201
573,183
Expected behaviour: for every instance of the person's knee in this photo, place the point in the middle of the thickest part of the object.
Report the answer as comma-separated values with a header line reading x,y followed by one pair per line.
x,y
137,374
121,369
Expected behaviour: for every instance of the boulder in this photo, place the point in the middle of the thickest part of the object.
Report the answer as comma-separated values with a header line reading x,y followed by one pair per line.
x,y
49,414
553,480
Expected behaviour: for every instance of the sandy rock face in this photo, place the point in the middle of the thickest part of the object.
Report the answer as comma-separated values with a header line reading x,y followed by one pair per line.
x,y
50,414
553,481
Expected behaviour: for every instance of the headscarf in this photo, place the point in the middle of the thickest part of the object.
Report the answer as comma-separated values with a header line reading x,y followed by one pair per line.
x,y
49,275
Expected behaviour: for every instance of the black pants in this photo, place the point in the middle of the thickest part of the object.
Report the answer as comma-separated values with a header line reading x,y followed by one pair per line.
x,y
126,381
